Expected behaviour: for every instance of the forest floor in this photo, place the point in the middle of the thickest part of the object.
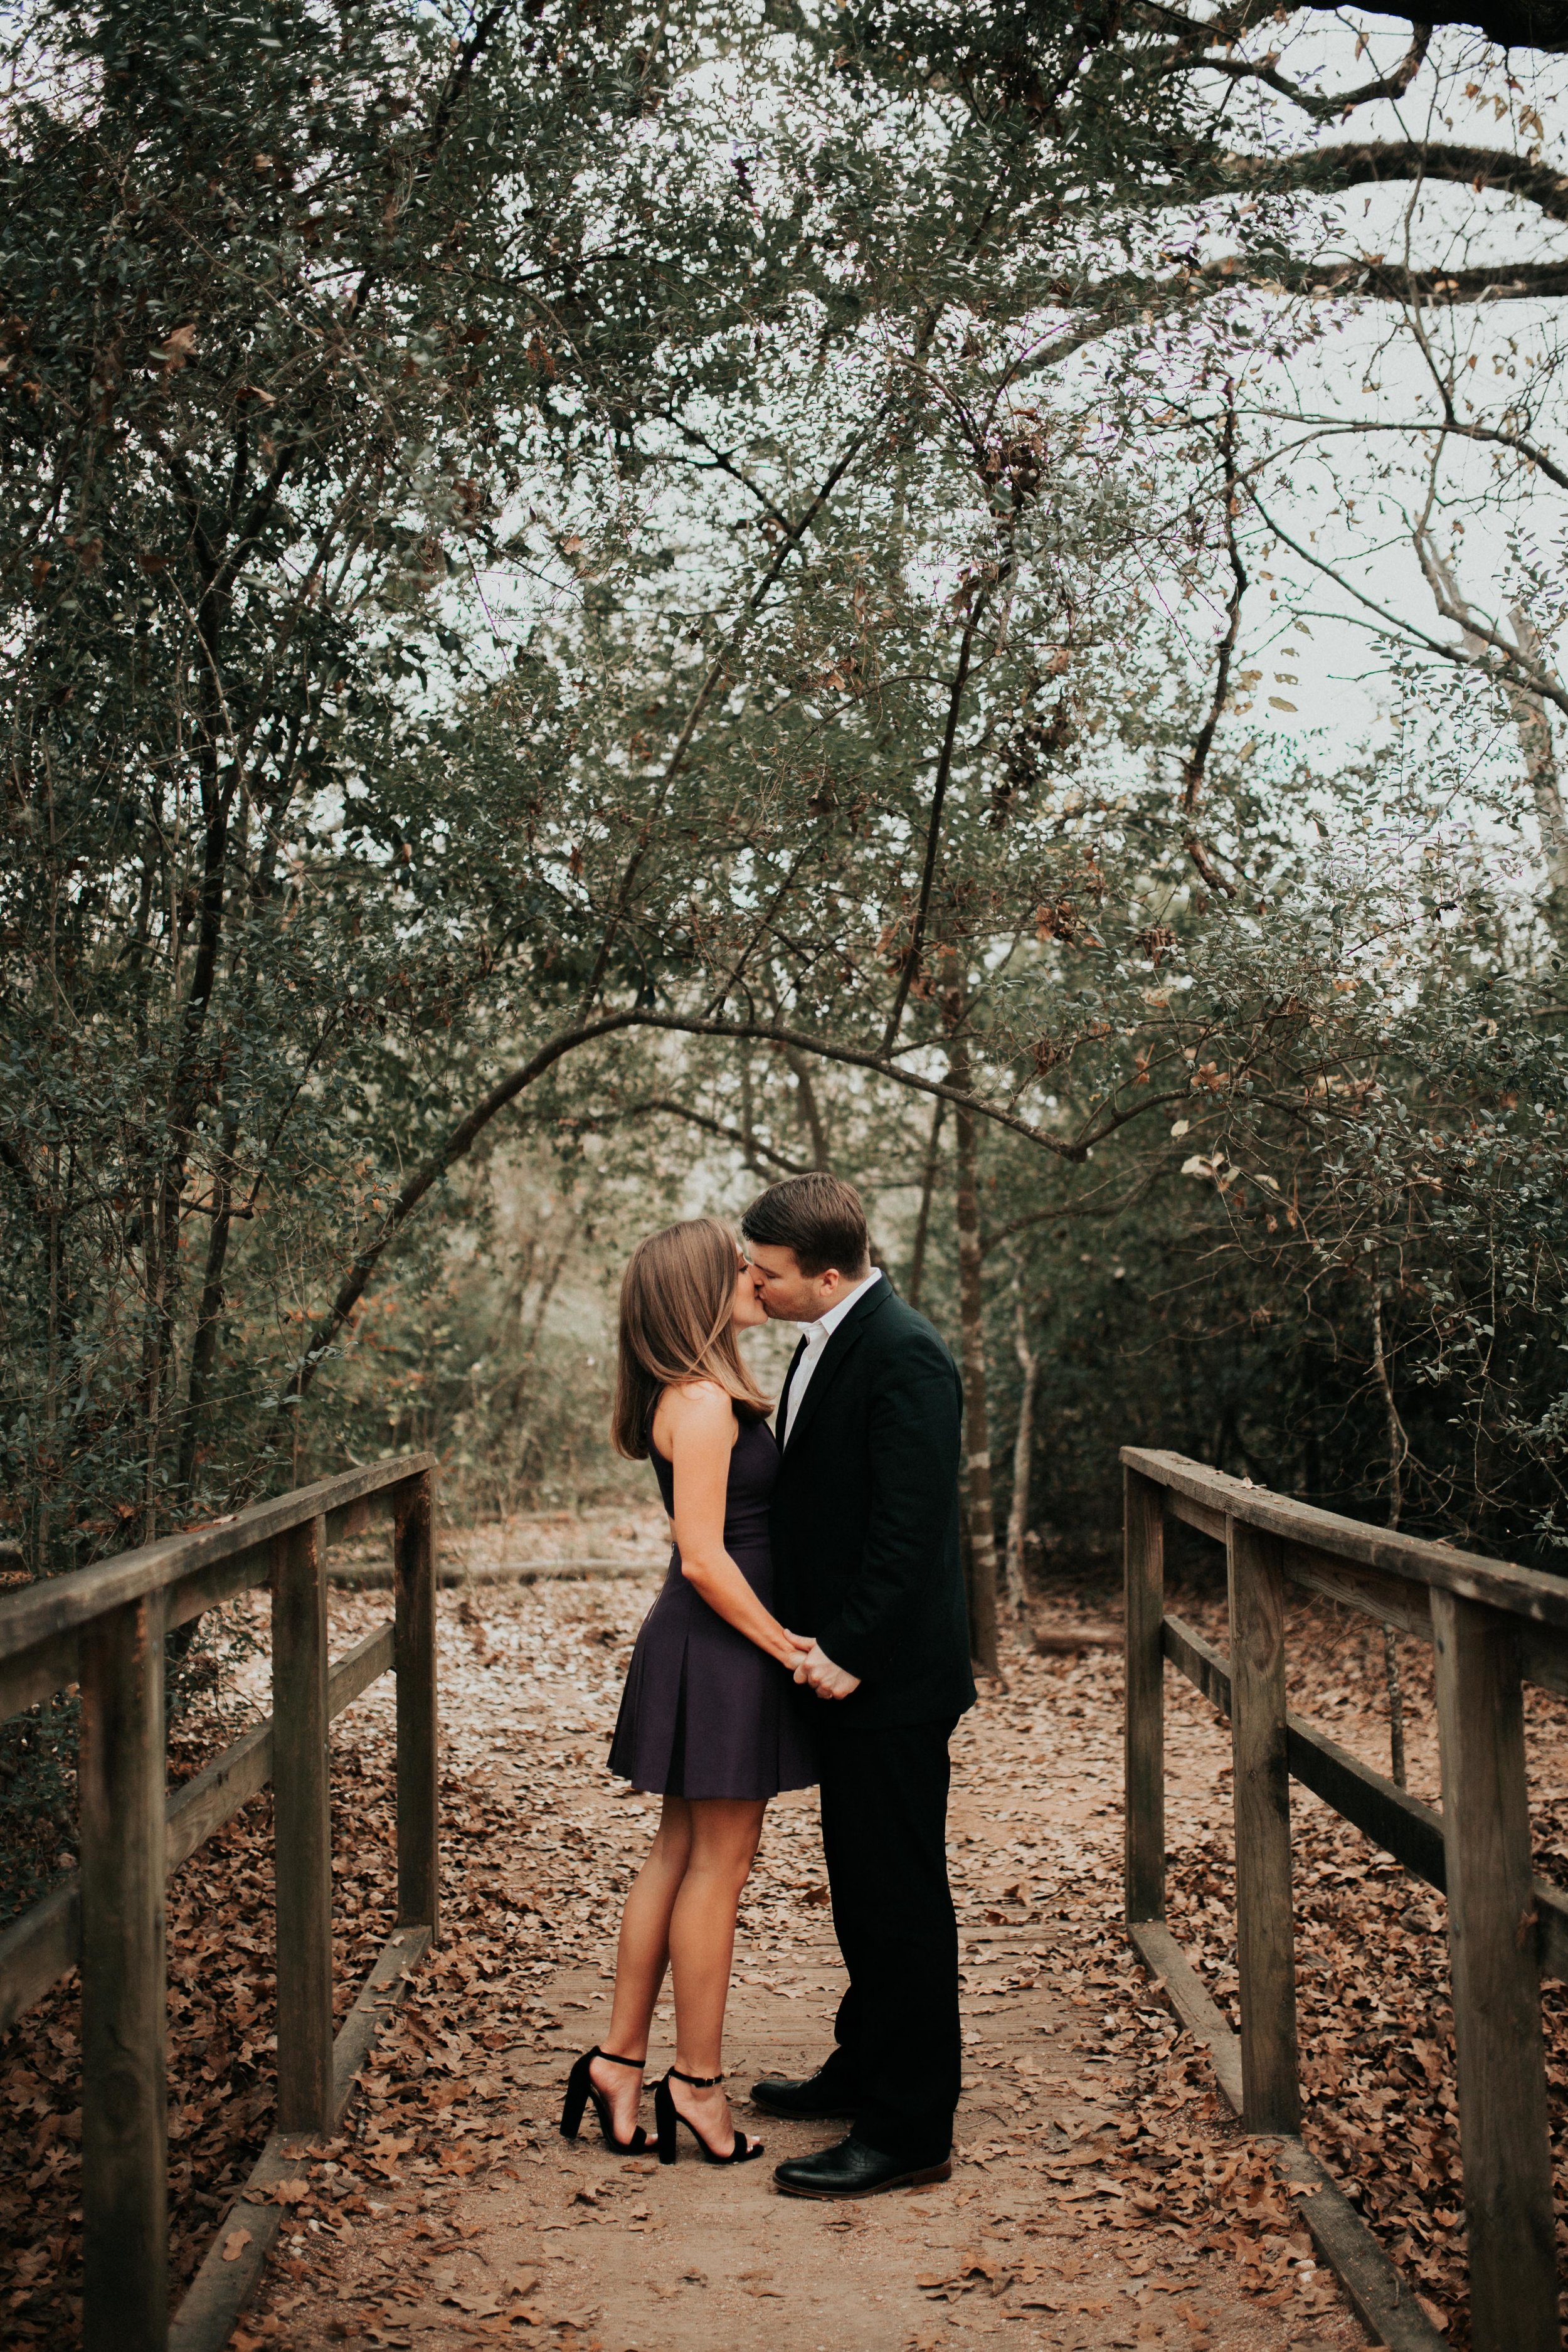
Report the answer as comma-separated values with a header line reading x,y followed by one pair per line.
x,y
1102,2197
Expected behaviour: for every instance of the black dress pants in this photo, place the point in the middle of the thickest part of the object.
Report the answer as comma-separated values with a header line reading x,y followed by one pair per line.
x,y
884,1834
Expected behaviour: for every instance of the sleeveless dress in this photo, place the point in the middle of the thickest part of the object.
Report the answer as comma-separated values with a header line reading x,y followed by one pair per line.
x,y
704,1712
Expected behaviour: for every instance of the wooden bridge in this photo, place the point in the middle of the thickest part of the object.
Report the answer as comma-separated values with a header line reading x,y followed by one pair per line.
x,y
103,1630
1492,1628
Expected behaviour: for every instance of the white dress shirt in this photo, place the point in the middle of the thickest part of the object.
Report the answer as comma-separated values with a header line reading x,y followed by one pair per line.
x,y
816,1336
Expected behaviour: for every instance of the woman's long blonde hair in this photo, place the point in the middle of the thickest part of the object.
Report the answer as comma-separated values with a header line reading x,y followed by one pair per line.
x,y
678,1298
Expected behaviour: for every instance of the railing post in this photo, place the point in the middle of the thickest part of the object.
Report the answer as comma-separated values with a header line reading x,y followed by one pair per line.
x,y
418,1822
1504,2138
303,1864
1265,1925
1143,1535
124,1997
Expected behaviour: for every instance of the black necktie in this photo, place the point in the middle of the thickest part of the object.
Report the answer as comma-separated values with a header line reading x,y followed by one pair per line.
x,y
783,1399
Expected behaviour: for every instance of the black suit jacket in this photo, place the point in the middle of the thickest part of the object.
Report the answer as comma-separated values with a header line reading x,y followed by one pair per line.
x,y
865,1515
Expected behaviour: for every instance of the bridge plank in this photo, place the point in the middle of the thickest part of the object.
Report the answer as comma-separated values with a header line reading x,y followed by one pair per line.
x,y
1264,1937
1504,2136
124,2027
1144,1716
1379,2295
220,2289
303,1875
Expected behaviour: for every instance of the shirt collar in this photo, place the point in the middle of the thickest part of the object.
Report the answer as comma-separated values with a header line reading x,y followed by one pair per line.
x,y
818,1333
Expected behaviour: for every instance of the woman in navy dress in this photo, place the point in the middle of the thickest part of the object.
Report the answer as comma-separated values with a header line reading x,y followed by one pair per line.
x,y
711,1717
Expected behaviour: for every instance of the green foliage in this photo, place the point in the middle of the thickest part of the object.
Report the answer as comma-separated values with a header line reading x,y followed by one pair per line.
x,y
605,571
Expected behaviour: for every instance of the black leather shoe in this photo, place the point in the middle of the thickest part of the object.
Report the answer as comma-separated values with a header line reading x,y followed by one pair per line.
x,y
853,2169
809,2099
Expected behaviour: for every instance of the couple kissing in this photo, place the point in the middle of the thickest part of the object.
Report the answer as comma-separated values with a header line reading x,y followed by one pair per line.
x,y
842,1522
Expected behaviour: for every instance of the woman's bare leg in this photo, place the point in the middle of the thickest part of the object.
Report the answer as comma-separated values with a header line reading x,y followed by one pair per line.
x,y
724,1843
641,1957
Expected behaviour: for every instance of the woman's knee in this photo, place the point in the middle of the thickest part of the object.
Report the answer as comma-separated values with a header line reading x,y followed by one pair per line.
x,y
726,1832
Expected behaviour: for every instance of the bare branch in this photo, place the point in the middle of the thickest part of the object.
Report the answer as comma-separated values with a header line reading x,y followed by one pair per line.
x,y
1195,52
1513,669
1196,765
933,830
1334,169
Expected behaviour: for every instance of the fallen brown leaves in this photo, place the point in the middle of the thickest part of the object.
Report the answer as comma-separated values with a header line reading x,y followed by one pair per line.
x,y
1376,2027
462,2087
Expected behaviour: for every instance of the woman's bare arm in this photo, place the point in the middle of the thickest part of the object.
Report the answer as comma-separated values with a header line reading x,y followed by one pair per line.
x,y
695,1428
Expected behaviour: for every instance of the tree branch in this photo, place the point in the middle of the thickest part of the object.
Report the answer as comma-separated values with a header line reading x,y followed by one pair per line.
x,y
463,1137
1197,766
933,830
1335,168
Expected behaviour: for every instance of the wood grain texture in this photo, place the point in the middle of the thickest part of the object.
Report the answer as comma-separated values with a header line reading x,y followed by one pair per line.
x,y
44,1943
1143,1529
1265,1957
1394,1819
36,1673
1190,1998
1522,1592
124,2120
1383,2300
303,1866
1503,2132
418,1728
60,1603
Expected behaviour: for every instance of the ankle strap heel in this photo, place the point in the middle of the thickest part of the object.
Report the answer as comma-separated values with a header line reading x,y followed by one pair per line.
x,y
581,2088
667,2115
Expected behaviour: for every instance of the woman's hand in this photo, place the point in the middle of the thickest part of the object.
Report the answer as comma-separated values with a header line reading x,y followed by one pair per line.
x,y
793,1649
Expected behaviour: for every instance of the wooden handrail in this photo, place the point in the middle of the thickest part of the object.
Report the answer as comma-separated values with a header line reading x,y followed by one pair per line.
x,y
1491,1626
104,1628
1413,1560
61,1604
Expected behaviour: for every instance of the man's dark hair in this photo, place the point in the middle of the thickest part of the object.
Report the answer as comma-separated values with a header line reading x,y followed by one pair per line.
x,y
819,1217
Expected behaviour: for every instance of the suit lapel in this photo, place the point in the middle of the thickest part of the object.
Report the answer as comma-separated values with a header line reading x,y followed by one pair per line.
x,y
839,1346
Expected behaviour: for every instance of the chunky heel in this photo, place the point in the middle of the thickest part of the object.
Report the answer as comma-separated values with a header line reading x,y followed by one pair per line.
x,y
667,2114
579,2083
580,2087
664,2118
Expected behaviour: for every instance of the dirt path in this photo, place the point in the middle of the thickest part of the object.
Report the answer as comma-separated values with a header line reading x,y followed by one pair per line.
x,y
452,2215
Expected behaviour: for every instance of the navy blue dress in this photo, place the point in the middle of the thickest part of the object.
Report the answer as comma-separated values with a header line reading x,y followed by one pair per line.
x,y
704,1712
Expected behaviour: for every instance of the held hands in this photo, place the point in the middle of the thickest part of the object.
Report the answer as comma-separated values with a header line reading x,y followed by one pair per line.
x,y
819,1673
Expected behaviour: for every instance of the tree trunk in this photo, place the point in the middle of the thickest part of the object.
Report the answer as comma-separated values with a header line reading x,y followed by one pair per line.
x,y
923,1221
976,1418
1398,1448
810,1109
1022,1460
1533,729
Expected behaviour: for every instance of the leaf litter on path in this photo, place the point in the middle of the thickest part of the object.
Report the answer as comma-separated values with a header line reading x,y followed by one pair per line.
x,y
1101,2196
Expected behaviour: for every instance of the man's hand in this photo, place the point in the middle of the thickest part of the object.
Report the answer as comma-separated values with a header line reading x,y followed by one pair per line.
x,y
818,1673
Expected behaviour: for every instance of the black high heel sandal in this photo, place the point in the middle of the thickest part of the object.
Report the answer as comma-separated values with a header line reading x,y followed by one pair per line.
x,y
580,2087
667,2114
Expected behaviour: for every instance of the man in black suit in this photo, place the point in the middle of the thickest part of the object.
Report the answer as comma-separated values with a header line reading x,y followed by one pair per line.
x,y
865,1536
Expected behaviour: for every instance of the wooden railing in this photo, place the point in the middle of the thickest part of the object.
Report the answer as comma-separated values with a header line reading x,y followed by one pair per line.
x,y
103,1629
1492,1627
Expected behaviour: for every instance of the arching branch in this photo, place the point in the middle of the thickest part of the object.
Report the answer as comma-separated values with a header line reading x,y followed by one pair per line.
x,y
463,1137
1335,168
